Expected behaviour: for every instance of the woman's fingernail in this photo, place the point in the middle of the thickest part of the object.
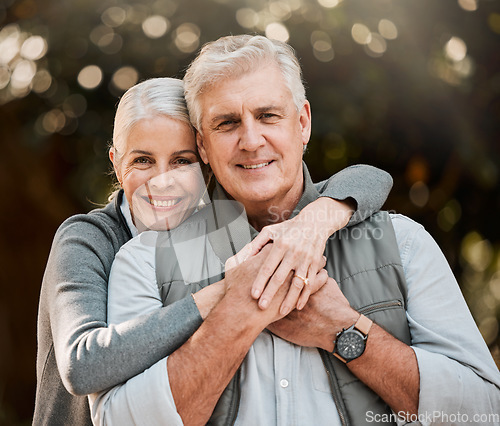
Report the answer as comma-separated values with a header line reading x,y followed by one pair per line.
x,y
284,310
255,294
263,303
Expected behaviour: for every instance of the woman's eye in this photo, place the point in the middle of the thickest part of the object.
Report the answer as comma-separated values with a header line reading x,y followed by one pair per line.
x,y
182,161
142,160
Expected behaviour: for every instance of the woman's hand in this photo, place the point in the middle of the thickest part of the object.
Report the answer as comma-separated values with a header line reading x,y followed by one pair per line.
x,y
298,245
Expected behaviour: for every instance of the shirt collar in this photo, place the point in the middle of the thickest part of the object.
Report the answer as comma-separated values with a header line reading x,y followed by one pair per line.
x,y
310,193
125,209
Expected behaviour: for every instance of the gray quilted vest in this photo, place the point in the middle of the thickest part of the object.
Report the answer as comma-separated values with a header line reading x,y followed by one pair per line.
x,y
364,260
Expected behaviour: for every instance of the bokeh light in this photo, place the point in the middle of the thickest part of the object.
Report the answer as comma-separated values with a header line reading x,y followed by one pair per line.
x,y
387,29
22,75
90,77
494,22
322,46
74,105
449,215
42,81
456,49
376,46
277,31
280,10
4,76
469,5
124,78
247,18
476,251
329,3
155,26
53,121
361,34
187,37
35,47
10,43
113,16
419,194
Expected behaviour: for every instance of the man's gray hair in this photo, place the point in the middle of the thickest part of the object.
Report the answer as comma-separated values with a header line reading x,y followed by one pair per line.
x,y
233,56
148,99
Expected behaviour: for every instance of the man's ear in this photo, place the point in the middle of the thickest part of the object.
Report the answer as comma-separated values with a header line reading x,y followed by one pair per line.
x,y
305,122
112,157
201,147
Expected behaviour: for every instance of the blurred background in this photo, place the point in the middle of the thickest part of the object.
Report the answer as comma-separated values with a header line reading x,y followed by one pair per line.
x,y
412,87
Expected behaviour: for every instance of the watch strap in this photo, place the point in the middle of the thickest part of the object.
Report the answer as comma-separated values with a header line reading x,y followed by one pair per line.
x,y
363,324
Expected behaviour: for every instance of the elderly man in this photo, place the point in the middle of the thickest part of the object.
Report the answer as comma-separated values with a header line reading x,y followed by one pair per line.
x,y
387,339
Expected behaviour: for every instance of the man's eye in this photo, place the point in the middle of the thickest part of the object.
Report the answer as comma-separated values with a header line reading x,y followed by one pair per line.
x,y
226,124
268,116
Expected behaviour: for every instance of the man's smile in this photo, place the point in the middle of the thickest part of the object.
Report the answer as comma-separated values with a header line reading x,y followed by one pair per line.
x,y
255,166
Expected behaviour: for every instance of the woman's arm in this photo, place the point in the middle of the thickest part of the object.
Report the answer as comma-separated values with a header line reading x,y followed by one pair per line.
x,y
90,355
368,187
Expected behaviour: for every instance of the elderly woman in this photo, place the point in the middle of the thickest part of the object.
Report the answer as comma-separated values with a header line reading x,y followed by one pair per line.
x,y
78,353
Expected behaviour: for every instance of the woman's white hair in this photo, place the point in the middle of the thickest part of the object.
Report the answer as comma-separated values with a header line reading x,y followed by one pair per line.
x,y
233,56
148,99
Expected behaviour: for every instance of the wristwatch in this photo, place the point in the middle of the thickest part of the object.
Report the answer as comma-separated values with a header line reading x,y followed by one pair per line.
x,y
351,342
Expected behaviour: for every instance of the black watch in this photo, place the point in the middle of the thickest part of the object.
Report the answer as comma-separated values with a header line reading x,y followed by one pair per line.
x,y
351,342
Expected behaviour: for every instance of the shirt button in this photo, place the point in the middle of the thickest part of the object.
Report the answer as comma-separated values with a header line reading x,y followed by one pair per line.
x,y
284,383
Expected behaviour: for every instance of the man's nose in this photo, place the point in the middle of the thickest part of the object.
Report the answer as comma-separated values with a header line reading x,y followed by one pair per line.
x,y
251,137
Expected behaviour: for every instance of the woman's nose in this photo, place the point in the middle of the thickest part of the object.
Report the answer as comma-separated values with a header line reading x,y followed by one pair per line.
x,y
164,179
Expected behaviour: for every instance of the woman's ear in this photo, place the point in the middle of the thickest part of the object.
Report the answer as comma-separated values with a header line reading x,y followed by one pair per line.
x,y
112,157
201,148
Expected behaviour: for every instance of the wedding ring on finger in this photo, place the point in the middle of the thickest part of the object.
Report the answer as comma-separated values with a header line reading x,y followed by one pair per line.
x,y
304,280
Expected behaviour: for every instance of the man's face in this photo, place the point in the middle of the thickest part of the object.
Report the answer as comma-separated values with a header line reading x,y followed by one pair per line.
x,y
253,137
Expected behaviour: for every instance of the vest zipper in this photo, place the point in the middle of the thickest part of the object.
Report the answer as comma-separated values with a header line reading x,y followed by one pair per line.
x,y
381,305
334,386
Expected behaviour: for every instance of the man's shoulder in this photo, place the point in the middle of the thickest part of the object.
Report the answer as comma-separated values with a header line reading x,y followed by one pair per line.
x,y
409,233
404,223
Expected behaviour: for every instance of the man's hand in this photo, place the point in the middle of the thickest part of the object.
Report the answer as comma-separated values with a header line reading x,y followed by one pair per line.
x,y
298,245
239,279
317,325
316,280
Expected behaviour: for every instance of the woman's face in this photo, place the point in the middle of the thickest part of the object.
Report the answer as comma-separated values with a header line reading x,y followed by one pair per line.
x,y
160,173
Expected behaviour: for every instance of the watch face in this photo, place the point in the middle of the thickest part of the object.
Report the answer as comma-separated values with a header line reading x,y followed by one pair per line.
x,y
350,344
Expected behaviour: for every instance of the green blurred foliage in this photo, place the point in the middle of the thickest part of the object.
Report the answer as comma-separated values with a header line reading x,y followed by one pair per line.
x,y
412,87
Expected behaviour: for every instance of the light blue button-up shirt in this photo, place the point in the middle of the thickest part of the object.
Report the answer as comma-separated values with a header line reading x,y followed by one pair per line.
x,y
285,384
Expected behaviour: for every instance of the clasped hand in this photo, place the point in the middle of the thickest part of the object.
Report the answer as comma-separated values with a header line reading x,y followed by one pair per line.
x,y
296,252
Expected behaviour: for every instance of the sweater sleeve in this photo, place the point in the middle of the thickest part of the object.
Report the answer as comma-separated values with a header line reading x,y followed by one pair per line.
x,y
368,186
90,355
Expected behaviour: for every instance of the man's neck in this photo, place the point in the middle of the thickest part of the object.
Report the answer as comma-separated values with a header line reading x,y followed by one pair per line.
x,y
275,211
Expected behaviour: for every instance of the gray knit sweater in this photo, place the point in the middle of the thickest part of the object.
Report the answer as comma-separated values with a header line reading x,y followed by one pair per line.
x,y
78,353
